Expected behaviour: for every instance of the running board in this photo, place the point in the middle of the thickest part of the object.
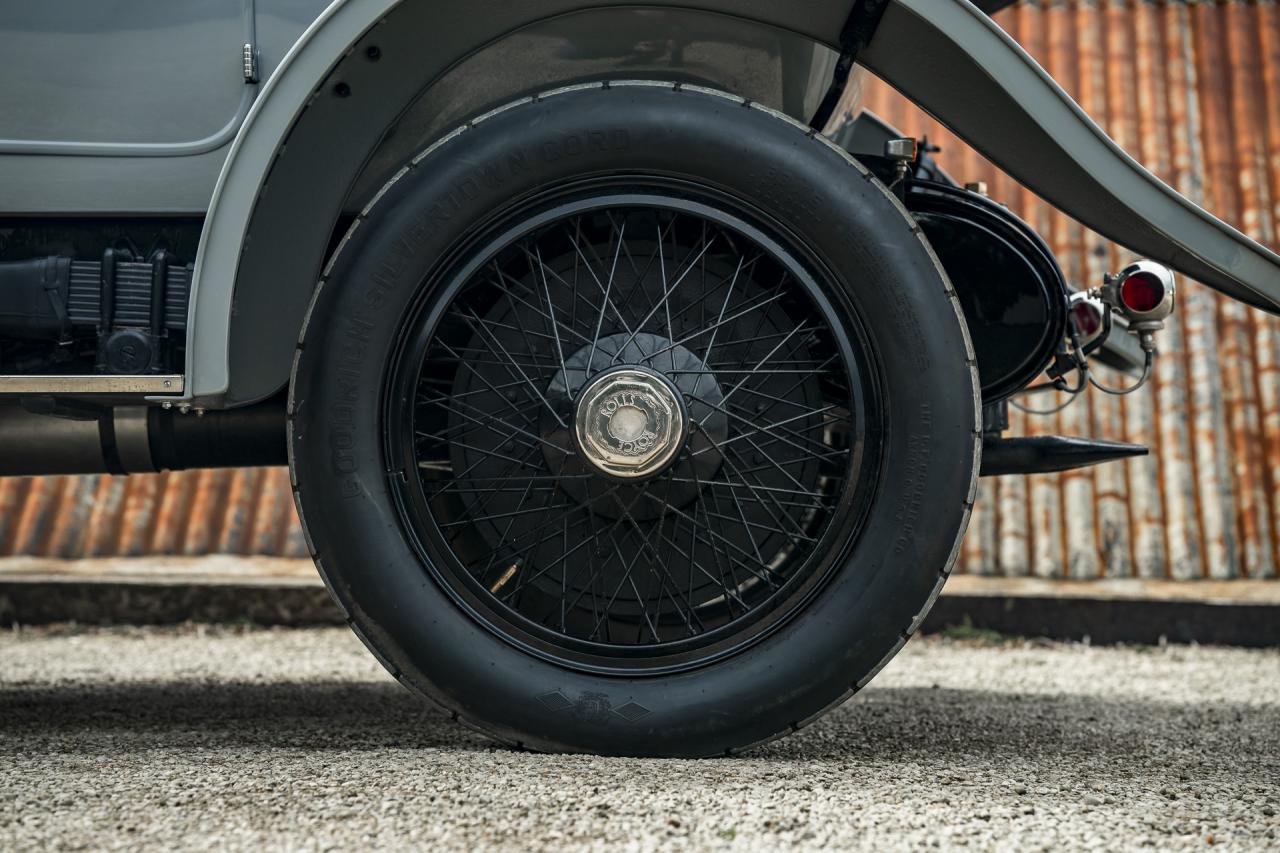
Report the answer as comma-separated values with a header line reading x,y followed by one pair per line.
x,y
1043,454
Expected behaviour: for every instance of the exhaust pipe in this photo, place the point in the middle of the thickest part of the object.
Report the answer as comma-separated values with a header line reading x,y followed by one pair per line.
x,y
138,439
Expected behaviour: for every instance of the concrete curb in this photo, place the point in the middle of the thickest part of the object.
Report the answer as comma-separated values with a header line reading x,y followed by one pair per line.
x,y
281,591
164,590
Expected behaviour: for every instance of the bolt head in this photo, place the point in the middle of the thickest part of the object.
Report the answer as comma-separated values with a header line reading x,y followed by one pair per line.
x,y
903,149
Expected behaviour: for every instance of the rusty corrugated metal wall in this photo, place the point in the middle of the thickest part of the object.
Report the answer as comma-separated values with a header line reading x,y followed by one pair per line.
x,y
246,511
1192,90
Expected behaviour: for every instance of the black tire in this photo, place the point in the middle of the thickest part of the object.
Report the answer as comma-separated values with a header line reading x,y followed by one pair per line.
x,y
924,422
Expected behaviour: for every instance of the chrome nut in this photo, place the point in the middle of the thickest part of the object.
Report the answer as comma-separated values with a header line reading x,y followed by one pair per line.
x,y
629,423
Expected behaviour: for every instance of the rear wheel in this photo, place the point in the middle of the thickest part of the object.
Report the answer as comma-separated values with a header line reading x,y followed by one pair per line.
x,y
633,421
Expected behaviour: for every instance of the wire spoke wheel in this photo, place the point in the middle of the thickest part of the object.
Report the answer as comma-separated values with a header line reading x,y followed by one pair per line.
x,y
638,428
635,419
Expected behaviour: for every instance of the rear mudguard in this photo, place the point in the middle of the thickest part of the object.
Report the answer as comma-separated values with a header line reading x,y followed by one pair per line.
x,y
354,71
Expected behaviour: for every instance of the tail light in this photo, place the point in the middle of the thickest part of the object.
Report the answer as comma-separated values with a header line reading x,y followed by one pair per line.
x,y
1144,292
1137,300
1090,317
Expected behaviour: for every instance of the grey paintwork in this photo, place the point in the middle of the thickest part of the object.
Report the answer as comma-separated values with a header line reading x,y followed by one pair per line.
x,y
130,107
443,60
119,97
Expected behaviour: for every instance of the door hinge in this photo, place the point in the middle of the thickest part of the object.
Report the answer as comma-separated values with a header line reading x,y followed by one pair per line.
x,y
250,57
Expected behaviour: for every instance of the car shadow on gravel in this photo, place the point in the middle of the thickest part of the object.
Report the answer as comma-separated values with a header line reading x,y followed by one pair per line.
x,y
323,715
932,726
999,731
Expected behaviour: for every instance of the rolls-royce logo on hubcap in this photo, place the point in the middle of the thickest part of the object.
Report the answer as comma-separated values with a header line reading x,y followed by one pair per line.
x,y
629,423
628,414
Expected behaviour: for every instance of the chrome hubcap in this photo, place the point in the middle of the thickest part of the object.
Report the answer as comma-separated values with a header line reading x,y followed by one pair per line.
x,y
629,423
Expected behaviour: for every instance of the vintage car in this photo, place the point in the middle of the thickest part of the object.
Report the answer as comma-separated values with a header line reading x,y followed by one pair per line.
x,y
634,395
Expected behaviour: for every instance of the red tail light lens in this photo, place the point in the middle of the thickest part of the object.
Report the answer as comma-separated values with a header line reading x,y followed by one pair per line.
x,y
1087,319
1141,292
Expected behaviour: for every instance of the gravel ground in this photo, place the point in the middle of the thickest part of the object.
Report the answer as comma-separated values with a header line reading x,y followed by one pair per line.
x,y
297,739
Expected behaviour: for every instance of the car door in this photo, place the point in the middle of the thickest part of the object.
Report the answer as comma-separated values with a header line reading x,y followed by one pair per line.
x,y
123,77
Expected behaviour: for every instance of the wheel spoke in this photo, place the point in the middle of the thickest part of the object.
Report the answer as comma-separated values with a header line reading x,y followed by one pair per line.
x,y
722,322
537,392
605,289
551,308
771,430
530,495
487,419
664,299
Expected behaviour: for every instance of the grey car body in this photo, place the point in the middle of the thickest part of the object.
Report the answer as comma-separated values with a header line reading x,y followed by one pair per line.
x,y
231,110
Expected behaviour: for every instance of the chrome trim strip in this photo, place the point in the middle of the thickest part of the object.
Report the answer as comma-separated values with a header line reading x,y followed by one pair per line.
x,y
93,384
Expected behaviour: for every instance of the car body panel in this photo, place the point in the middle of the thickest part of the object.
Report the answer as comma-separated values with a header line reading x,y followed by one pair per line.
x,y
149,96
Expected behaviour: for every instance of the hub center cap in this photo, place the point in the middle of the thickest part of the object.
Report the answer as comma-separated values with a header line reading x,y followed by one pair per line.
x,y
629,423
